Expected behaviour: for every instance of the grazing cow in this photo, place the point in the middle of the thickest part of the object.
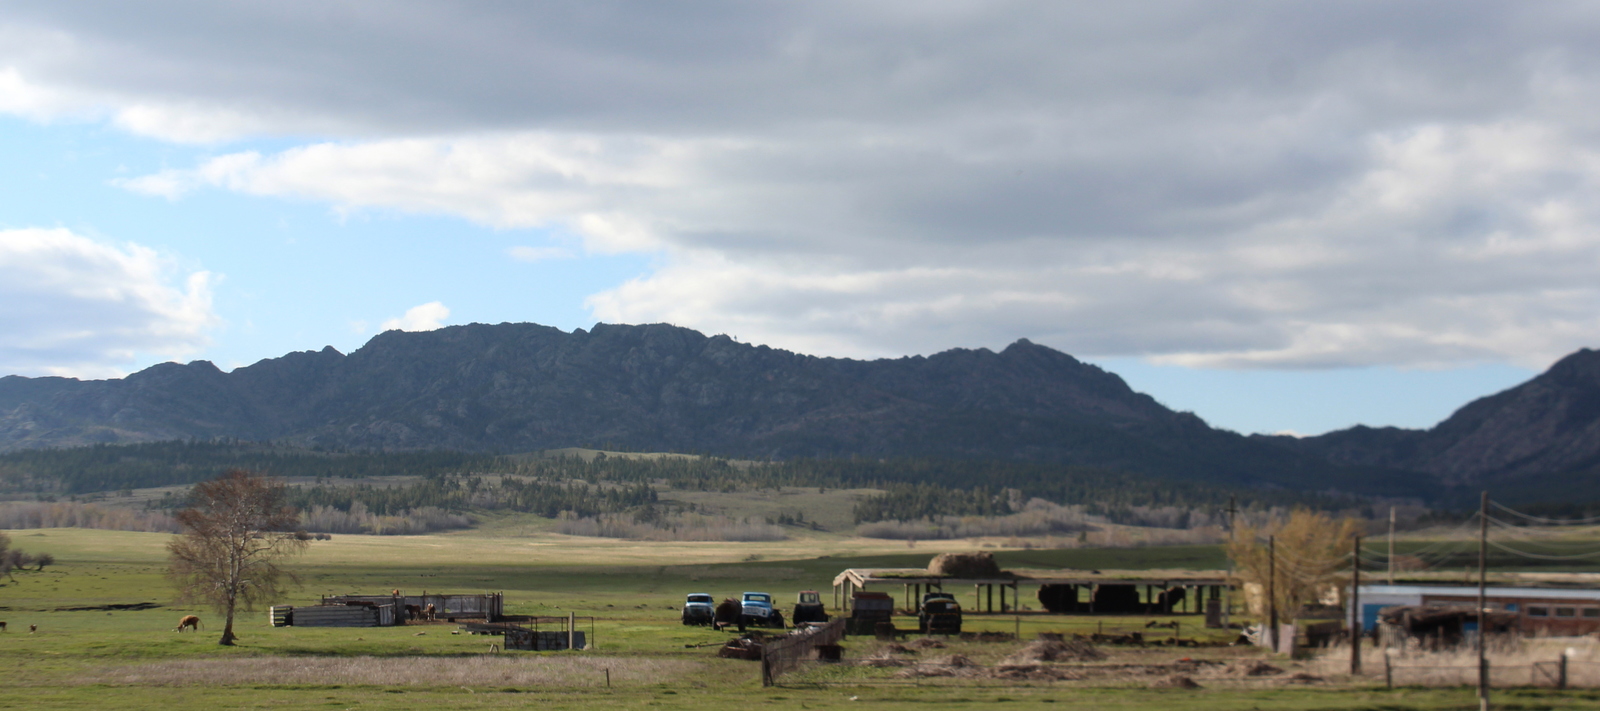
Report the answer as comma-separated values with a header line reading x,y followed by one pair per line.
x,y
190,621
430,612
2,626
32,629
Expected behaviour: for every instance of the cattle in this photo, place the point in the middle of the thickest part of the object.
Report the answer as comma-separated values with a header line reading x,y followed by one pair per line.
x,y
429,612
413,612
190,621
32,629
2,626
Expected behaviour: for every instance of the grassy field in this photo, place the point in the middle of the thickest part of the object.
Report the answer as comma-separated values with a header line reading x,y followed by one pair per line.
x,y
86,655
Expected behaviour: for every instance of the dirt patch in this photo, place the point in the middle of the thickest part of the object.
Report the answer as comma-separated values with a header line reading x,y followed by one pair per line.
x,y
1254,667
953,665
109,608
1054,651
1176,681
1304,678
987,637
1033,672
926,643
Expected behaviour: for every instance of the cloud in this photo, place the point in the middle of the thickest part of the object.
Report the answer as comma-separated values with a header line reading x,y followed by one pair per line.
x,y
1260,185
72,306
424,317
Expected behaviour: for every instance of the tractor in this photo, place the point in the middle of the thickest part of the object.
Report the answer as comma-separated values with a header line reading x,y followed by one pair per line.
x,y
808,607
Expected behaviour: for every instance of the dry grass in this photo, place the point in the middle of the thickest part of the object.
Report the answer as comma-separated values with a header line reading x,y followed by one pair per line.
x,y
514,670
1525,662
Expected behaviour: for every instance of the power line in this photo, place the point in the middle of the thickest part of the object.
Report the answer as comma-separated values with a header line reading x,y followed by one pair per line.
x,y
1546,520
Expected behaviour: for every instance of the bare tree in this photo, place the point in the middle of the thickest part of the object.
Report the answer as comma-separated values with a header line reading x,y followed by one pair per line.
x,y
1313,557
235,532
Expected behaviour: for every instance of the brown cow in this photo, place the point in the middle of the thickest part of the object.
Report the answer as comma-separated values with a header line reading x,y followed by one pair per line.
x,y
2,626
190,621
413,612
32,629
430,612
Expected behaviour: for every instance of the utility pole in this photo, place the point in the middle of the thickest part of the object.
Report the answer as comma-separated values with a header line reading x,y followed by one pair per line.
x,y
1227,590
1272,589
1355,608
1391,545
1483,618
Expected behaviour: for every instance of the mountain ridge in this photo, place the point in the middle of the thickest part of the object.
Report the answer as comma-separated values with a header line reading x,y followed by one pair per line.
x,y
657,387
653,387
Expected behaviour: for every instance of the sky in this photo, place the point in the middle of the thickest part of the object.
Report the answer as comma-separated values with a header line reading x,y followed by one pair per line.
x,y
1284,217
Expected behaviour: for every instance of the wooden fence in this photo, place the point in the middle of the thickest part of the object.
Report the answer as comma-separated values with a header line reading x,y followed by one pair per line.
x,y
785,654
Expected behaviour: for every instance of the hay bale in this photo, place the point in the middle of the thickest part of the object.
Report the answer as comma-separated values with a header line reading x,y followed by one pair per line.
x,y
1176,681
964,565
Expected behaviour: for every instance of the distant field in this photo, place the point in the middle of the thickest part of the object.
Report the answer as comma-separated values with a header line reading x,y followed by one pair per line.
x,y
110,659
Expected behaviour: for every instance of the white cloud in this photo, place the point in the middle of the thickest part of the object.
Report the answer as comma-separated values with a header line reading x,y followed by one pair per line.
x,y
424,317
1246,186
72,306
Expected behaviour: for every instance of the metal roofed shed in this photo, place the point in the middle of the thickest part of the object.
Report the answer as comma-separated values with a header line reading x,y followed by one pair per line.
x,y
1561,611
1164,591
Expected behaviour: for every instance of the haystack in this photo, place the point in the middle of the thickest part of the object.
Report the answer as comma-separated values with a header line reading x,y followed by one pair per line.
x,y
965,565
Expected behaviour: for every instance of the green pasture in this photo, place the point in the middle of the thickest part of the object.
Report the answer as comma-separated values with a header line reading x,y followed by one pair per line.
x,y
87,654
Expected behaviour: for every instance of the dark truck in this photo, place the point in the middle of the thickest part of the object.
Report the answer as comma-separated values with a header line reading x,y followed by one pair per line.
x,y
867,609
939,614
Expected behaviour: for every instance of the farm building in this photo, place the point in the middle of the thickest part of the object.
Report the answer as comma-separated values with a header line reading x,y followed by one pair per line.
x,y
1536,610
386,610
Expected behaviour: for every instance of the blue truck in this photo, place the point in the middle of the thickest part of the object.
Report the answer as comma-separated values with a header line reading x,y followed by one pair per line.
x,y
758,611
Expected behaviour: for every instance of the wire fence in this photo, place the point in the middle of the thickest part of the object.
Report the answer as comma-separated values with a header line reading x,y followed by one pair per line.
x,y
933,664
1560,673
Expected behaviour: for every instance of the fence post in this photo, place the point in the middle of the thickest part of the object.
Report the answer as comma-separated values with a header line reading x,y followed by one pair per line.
x,y
766,668
1388,670
1561,678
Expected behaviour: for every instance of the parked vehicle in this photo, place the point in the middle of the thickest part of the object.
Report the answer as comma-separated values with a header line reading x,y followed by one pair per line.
x,y
759,612
808,607
939,614
699,609
867,609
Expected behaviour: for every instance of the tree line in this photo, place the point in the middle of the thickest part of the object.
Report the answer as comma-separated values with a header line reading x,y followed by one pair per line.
x,y
913,488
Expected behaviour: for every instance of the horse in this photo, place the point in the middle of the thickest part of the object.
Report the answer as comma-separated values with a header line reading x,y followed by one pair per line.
x,y
190,621
728,612
413,612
